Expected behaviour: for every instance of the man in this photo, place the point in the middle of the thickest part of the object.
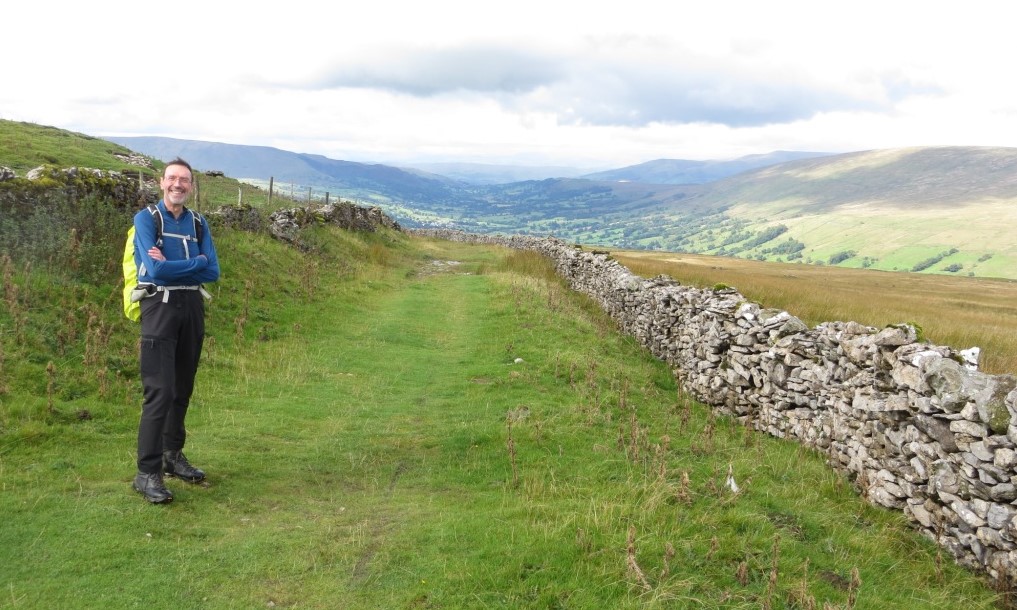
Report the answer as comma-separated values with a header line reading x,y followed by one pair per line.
x,y
171,269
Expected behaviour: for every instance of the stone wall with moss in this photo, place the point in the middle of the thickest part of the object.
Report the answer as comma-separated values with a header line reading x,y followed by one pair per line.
x,y
126,190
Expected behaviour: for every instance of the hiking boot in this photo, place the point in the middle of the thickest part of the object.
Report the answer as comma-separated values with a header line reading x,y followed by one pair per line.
x,y
174,464
150,485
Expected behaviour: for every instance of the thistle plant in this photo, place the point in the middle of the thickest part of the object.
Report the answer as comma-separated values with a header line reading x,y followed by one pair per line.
x,y
3,385
50,386
630,560
684,494
855,584
771,583
669,554
511,442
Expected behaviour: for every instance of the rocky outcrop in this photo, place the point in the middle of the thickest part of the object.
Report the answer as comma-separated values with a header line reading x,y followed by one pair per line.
x,y
286,224
914,425
241,216
133,158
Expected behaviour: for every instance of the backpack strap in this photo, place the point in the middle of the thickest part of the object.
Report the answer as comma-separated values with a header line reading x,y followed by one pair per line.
x,y
199,225
167,289
199,231
157,217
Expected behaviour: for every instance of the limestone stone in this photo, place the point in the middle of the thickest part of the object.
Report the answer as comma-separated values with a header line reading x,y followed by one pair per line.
x,y
1005,458
969,428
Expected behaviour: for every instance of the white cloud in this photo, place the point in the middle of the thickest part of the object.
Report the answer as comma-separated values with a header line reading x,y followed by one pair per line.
x,y
605,84
426,71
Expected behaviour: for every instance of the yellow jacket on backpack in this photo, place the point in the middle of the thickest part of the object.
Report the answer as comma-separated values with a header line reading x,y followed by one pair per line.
x,y
132,309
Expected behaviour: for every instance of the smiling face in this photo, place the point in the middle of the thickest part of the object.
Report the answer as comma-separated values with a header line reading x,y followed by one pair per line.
x,y
176,186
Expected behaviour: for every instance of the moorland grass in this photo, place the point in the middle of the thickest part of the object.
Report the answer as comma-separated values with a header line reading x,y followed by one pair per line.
x,y
28,145
404,423
957,311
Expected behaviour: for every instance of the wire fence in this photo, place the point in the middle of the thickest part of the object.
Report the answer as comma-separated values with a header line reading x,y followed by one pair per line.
x,y
213,191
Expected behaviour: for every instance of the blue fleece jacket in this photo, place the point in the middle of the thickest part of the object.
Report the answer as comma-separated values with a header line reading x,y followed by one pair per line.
x,y
184,265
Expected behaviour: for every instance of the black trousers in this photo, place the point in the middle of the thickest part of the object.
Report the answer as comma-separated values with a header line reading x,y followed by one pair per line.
x,y
172,335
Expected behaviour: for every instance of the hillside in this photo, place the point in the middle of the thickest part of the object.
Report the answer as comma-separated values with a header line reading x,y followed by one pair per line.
x,y
659,171
680,171
931,210
24,146
371,182
945,210
487,173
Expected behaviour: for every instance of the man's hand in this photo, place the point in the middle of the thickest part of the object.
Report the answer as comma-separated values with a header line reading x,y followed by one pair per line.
x,y
156,254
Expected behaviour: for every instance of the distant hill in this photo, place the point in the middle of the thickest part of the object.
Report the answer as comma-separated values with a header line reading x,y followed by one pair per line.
x,y
931,210
484,173
263,162
235,160
903,178
935,210
679,171
373,182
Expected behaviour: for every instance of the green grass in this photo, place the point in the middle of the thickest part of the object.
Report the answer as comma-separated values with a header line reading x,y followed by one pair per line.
x,y
886,233
402,423
27,145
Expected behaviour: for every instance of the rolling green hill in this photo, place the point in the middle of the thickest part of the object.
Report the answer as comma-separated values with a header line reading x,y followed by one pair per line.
x,y
943,210
682,171
949,210
946,210
380,184
932,210
24,146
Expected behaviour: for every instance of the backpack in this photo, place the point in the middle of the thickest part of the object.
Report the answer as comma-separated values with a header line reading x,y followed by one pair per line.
x,y
132,302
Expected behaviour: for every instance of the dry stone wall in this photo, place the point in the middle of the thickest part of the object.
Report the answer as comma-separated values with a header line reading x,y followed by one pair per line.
x,y
916,426
120,188
286,224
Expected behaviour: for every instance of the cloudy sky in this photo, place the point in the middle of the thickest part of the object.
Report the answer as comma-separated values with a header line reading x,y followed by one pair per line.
x,y
589,84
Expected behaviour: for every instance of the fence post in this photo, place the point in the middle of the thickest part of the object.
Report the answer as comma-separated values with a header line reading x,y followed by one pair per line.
x,y
308,194
326,197
197,194
271,184
240,196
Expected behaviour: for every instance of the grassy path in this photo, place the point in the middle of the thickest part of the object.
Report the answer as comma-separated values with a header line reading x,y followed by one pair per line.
x,y
388,451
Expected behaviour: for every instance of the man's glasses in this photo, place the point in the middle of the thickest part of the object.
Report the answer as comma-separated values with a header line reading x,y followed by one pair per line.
x,y
180,179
